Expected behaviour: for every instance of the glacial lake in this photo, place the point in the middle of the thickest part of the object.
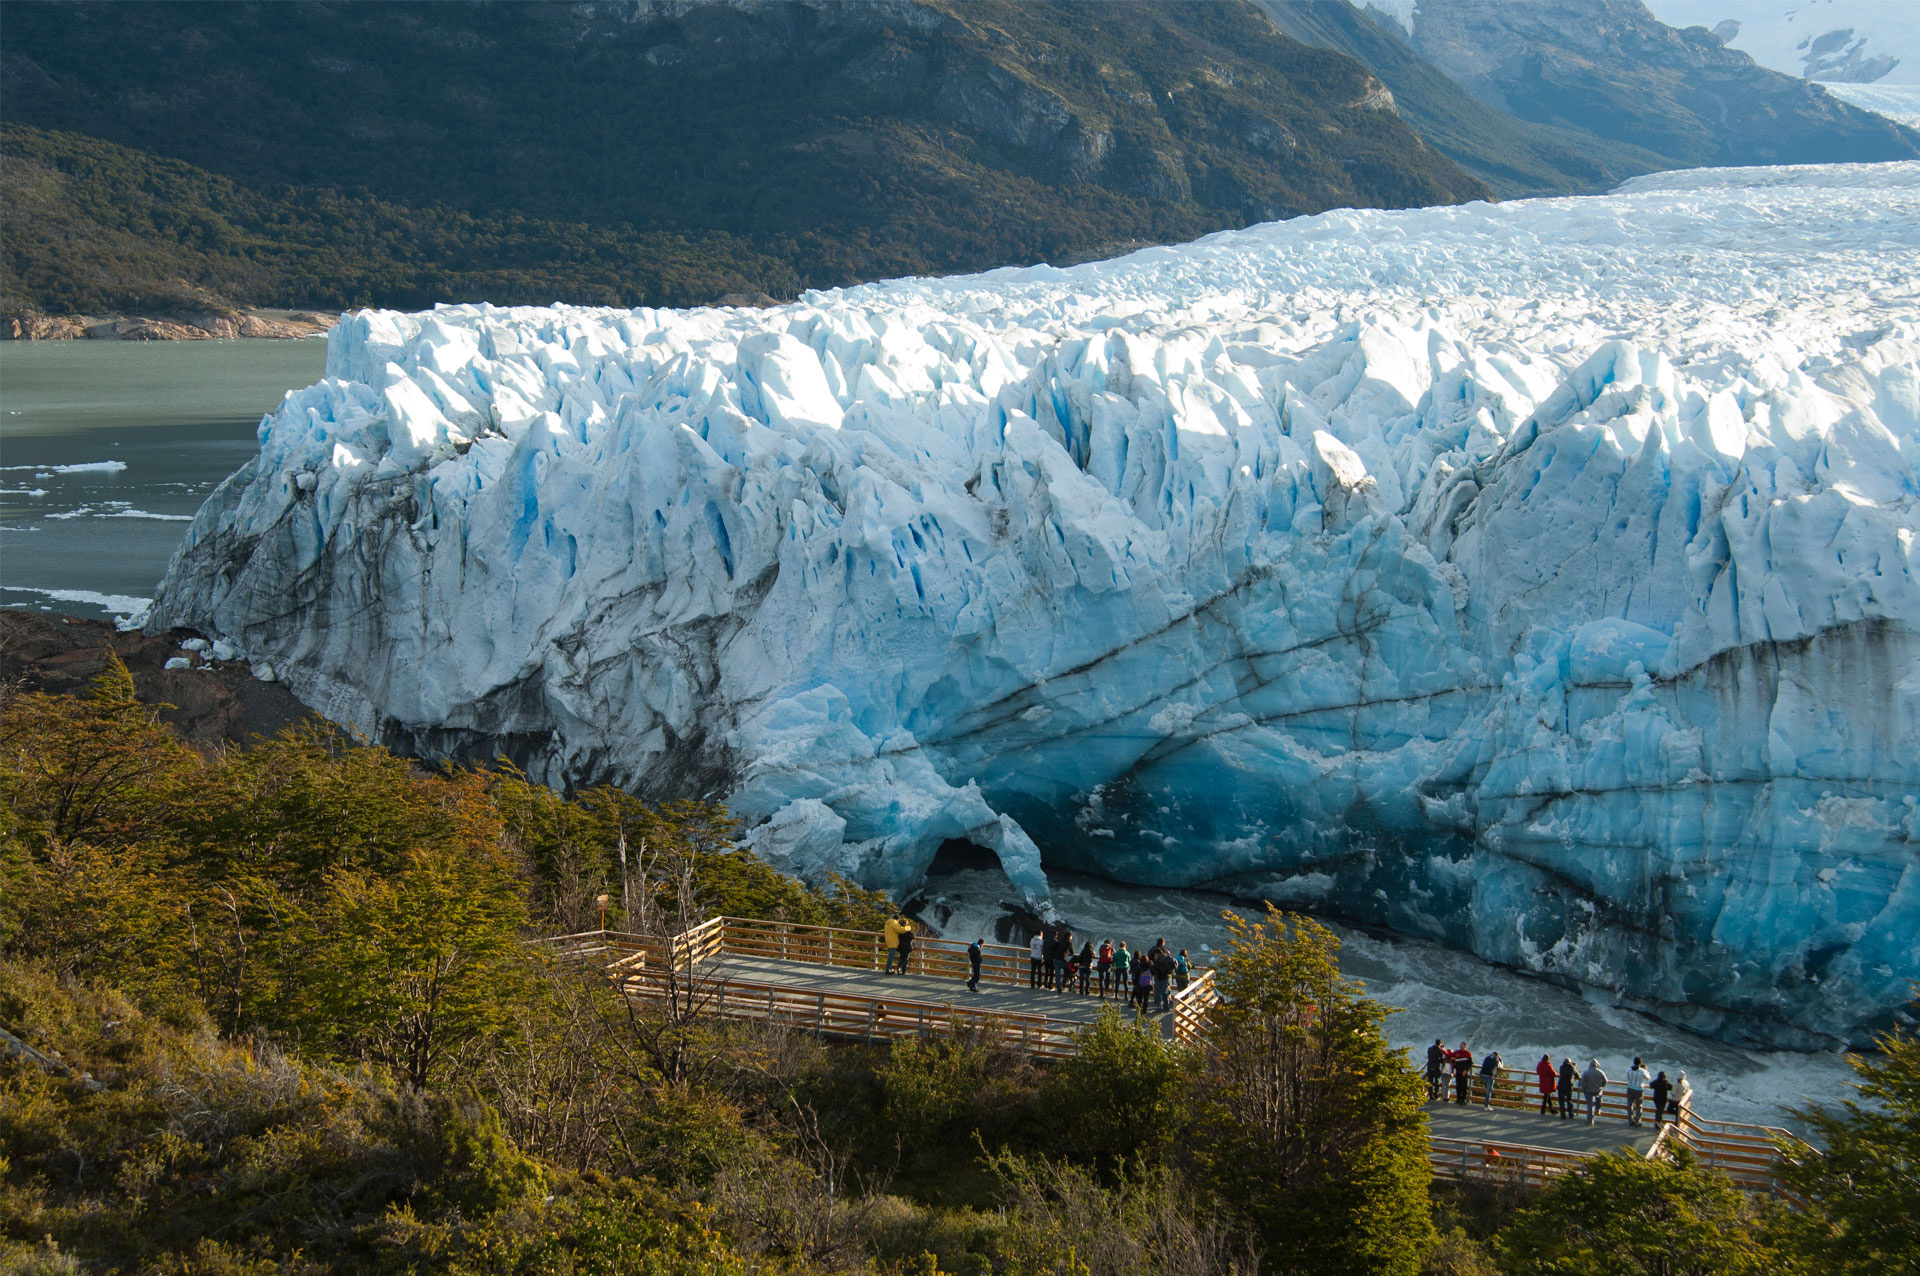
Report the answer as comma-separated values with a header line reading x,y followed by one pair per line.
x,y
108,447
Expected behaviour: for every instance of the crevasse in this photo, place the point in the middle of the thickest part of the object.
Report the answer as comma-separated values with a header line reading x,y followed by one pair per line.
x,y
1535,577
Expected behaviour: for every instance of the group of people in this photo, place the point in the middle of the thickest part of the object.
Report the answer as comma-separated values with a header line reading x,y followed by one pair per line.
x,y
1147,979
1557,1085
1150,977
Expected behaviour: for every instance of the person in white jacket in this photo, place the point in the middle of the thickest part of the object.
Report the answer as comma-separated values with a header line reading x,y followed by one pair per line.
x,y
1637,1079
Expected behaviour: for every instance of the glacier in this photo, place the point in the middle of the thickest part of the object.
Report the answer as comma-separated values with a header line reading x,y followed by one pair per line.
x,y
1538,578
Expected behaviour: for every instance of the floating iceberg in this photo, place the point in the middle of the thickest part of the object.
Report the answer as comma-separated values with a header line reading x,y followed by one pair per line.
x,y
1538,577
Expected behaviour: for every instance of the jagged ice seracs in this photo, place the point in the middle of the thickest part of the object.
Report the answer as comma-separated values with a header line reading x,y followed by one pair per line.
x,y
1536,577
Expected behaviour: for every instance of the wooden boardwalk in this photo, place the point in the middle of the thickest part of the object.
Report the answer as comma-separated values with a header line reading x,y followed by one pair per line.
x,y
1471,1123
920,989
830,981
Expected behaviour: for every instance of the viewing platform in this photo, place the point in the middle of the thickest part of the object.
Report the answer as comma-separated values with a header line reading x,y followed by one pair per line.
x,y
1513,1141
830,981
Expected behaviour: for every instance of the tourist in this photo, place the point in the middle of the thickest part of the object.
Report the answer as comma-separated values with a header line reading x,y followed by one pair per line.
x,y
1593,1084
1462,1072
1036,958
1636,1087
1086,966
1163,968
1063,962
895,927
1182,970
1122,971
1661,1087
1142,984
1489,1077
1436,1066
1104,964
906,943
1567,1077
973,966
1682,1099
1544,1070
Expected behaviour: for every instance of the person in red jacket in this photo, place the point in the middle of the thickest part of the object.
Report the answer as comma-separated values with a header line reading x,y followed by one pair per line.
x,y
1462,1060
1548,1078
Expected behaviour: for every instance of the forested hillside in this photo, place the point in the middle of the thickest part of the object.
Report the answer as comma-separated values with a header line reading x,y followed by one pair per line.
x,y
397,153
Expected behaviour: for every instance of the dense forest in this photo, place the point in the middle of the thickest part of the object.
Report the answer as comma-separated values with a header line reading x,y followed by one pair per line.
x,y
304,154
272,1010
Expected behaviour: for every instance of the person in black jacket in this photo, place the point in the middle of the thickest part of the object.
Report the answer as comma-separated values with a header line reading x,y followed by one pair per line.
x,y
1661,1088
1567,1075
1436,1068
973,966
1086,967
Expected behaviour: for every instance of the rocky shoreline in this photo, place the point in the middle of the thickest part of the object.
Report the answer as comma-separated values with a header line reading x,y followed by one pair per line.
x,y
217,325
212,702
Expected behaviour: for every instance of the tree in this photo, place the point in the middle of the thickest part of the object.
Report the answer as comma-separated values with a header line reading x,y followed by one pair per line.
x,y
409,968
1120,1097
1311,1128
1863,1185
1628,1215
86,768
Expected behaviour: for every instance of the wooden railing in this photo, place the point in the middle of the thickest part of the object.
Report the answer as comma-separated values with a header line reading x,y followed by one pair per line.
x,y
647,965
1191,1004
866,949
870,1018
641,964
1747,1154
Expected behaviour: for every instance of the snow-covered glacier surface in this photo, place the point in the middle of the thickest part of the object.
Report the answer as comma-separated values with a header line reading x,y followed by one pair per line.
x,y
1540,578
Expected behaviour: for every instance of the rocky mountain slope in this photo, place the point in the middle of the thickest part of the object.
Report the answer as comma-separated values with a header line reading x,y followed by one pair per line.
x,y
326,154
1610,69
1513,156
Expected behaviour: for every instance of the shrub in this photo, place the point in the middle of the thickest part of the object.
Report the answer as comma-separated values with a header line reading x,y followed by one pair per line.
x,y
1122,1096
1627,1215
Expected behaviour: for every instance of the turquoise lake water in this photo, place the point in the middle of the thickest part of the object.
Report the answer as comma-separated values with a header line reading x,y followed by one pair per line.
x,y
108,447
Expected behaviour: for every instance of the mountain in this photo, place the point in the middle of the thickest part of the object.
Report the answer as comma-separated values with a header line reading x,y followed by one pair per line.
x,y
519,151
1536,576
1511,155
1609,69
1837,41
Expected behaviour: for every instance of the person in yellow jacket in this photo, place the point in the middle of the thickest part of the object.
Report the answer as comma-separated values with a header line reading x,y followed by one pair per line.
x,y
899,933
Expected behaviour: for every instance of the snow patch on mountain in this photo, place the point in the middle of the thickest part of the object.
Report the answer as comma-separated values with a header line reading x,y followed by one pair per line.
x,y
1848,41
1540,577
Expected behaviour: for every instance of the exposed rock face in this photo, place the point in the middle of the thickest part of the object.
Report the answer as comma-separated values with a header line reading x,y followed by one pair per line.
x,y
211,703
34,326
196,327
1609,68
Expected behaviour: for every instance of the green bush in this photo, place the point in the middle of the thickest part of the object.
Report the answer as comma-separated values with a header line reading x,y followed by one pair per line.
x,y
1123,1096
1629,1215
930,1088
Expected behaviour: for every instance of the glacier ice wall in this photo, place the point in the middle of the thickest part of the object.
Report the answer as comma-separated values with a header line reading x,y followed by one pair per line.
x,y
1536,577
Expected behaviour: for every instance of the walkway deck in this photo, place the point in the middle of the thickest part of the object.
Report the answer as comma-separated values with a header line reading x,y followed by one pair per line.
x,y
829,981
939,990
1472,1123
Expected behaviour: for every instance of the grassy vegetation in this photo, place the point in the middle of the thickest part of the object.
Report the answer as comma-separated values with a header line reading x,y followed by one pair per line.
x,y
395,154
268,1011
